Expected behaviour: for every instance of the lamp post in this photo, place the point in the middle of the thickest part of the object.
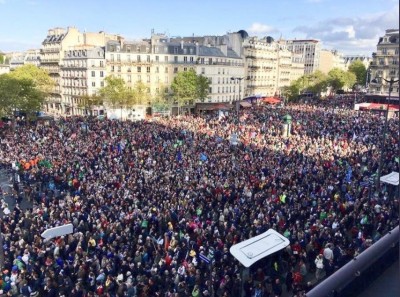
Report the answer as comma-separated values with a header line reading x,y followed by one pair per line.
x,y
237,80
385,128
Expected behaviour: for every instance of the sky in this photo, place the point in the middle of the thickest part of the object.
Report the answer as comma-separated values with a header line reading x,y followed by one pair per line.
x,y
349,26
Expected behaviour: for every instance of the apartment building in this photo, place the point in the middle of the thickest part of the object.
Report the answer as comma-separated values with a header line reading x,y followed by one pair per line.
x,y
330,59
157,60
309,51
385,65
349,59
82,73
270,66
54,47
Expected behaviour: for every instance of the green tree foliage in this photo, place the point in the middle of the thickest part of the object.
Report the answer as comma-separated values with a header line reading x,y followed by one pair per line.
x,y
2,58
39,76
89,101
19,95
184,87
360,71
203,87
337,79
162,99
292,92
316,82
351,80
114,93
139,95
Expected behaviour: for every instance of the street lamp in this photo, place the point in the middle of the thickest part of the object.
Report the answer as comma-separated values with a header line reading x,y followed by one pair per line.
x,y
385,127
237,80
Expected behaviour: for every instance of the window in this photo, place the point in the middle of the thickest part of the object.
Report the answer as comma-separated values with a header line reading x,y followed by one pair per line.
x,y
129,69
166,59
119,68
384,51
203,70
101,73
185,69
176,59
93,73
166,70
139,69
166,79
93,84
210,61
157,69
112,57
148,78
112,68
175,50
128,57
138,58
128,49
175,69
148,58
148,69
129,78
157,58
210,90
101,63
185,59
191,60
119,58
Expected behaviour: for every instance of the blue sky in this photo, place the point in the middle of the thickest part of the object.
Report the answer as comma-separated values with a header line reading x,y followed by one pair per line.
x,y
350,26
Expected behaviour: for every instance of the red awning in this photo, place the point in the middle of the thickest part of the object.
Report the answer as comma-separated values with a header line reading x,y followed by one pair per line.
x,y
271,100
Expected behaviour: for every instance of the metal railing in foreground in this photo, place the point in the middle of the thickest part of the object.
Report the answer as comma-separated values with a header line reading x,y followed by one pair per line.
x,y
356,275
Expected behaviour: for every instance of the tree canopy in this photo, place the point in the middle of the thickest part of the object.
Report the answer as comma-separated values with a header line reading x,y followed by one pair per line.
x,y
139,94
115,92
360,71
39,76
187,86
19,95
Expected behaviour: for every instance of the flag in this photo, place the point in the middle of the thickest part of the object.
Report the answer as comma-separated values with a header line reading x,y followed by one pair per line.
x,y
203,157
179,156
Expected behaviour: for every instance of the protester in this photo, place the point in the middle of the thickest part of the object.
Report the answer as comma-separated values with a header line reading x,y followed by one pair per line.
x,y
149,199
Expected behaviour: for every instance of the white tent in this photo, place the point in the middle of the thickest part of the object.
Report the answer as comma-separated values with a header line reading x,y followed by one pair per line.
x,y
250,251
391,178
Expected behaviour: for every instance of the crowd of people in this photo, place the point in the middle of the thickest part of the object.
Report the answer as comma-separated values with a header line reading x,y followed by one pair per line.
x,y
151,201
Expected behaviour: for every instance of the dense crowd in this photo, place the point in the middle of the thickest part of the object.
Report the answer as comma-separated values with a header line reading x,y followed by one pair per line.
x,y
148,200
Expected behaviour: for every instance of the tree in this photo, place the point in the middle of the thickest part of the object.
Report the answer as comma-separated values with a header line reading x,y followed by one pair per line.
x,y
2,58
184,87
19,95
292,92
89,101
115,93
337,79
317,82
351,80
203,87
39,76
360,71
139,95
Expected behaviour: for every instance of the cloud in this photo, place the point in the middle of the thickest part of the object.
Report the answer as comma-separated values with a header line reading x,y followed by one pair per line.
x,y
261,29
352,34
